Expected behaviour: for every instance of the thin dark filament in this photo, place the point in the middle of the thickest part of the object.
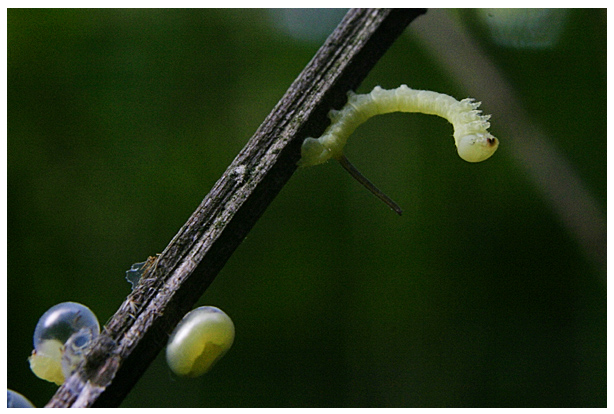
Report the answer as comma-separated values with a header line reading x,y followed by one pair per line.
x,y
345,163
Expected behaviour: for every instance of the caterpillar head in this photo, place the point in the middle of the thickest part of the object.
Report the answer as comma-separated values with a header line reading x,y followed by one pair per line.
x,y
477,147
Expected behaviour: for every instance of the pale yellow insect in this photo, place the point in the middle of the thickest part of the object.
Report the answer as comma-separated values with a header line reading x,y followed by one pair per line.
x,y
473,141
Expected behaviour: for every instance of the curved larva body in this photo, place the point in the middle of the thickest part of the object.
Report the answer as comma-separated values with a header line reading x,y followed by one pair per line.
x,y
202,337
473,141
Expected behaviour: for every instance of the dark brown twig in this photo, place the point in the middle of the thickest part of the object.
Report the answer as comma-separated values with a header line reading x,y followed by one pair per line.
x,y
139,329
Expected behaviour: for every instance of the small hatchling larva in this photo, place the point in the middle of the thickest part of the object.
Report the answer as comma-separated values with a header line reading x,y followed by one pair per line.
x,y
473,141
202,337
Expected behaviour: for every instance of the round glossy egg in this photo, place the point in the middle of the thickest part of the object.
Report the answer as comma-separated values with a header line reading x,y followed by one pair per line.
x,y
202,337
16,400
61,337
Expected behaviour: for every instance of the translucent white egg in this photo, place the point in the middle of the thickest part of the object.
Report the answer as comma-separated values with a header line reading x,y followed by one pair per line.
x,y
16,400
62,336
202,337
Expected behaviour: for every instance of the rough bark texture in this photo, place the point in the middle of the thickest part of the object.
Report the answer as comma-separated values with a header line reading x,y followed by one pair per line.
x,y
139,329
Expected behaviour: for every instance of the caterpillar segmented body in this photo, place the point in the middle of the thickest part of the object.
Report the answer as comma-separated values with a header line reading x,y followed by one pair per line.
x,y
473,141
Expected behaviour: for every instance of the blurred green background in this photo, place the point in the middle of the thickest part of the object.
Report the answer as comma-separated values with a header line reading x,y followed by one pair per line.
x,y
120,121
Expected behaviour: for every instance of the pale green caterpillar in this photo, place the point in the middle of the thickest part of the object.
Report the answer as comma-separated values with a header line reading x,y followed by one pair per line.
x,y
473,141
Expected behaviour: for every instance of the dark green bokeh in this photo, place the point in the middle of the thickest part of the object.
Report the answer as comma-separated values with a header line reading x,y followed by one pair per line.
x,y
119,123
